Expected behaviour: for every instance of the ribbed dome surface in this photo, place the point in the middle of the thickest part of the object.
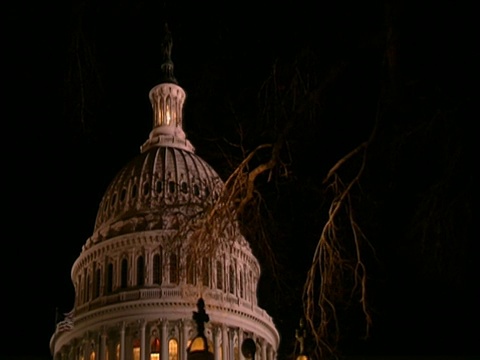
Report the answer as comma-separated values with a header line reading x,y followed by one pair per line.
x,y
153,186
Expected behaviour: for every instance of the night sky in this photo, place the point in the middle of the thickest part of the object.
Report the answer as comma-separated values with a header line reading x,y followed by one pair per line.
x,y
75,110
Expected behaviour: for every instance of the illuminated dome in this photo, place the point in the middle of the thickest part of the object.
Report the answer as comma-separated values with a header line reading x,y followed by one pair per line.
x,y
148,191
136,282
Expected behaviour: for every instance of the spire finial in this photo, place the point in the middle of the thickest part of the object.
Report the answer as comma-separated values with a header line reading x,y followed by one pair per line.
x,y
167,65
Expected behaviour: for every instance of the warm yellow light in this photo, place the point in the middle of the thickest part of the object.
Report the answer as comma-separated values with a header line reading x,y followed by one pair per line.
x,y
198,344
136,353
302,357
173,349
168,115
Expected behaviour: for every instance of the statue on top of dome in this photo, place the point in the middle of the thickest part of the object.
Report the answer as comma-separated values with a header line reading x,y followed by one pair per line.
x,y
167,65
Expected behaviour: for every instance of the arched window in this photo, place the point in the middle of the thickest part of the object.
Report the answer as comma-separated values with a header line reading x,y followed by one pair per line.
x,y
173,268
190,270
155,349
124,274
231,278
196,190
236,352
87,288
114,200
146,188
159,186
92,355
117,352
157,269
140,271
219,275
96,289
205,272
109,282
80,287
241,284
184,187
136,349
250,284
171,186
168,110
172,349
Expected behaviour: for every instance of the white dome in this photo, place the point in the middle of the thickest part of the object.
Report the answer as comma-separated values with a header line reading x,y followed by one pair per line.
x,y
148,191
136,283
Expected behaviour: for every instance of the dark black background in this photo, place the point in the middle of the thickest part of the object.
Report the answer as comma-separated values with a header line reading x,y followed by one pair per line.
x,y
75,108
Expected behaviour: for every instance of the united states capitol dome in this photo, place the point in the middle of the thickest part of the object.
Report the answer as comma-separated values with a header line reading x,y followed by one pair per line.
x,y
137,278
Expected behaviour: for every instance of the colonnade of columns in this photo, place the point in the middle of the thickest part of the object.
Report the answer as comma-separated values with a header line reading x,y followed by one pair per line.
x,y
115,342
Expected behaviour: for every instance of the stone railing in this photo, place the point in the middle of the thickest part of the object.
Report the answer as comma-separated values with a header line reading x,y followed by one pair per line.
x,y
170,294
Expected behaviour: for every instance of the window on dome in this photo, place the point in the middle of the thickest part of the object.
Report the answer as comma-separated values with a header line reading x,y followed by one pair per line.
x,y
157,269
155,349
96,288
124,274
134,191
136,349
114,199
190,270
236,352
87,288
140,271
109,282
171,186
159,186
122,195
241,284
173,269
146,188
205,272
168,110
207,191
196,190
80,287
184,187
250,283
219,275
231,278
172,349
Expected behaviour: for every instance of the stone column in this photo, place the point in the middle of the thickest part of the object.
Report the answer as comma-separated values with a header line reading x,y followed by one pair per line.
x,y
103,345
122,341
86,349
271,353
240,342
225,349
184,340
264,349
164,340
143,346
216,343
231,344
